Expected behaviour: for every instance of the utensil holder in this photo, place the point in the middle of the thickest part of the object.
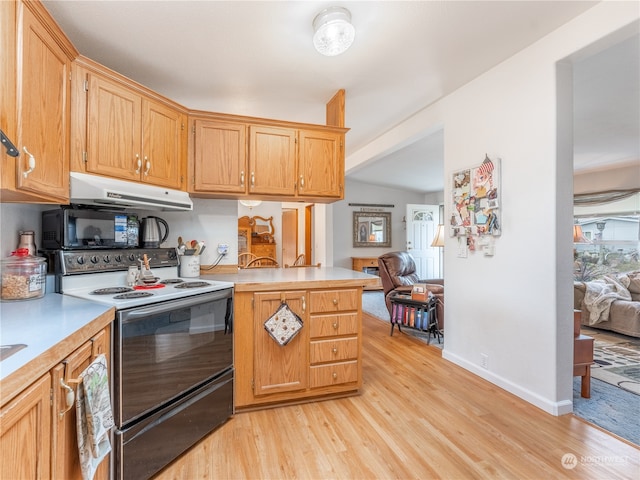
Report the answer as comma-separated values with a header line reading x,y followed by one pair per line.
x,y
190,266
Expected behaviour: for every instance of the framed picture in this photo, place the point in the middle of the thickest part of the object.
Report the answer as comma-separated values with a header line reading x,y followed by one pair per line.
x,y
371,229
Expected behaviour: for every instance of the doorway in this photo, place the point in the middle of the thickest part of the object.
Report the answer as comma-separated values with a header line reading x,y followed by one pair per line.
x,y
422,222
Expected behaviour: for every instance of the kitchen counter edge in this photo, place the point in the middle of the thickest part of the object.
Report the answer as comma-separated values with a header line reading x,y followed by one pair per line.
x,y
269,279
52,327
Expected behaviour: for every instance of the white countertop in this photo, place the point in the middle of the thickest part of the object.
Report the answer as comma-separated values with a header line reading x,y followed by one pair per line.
x,y
306,277
41,324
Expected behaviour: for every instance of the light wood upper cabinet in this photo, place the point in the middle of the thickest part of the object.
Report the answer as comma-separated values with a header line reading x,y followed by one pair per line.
x,y
219,160
235,157
320,164
132,137
36,93
272,160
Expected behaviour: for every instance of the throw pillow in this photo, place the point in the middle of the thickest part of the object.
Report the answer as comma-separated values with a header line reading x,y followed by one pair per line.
x,y
634,282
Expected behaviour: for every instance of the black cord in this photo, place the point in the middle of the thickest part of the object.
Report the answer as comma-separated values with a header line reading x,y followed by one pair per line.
x,y
215,264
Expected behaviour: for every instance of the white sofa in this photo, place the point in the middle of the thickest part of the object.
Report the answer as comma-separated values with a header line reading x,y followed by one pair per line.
x,y
622,316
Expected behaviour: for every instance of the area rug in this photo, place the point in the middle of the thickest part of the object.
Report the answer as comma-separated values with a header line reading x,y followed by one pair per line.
x,y
616,365
373,304
611,408
616,358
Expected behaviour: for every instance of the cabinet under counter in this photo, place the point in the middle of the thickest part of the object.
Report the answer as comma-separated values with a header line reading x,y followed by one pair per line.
x,y
324,359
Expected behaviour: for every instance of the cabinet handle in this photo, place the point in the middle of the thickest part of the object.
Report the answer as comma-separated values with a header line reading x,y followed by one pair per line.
x,y
32,163
334,350
253,178
70,398
335,301
139,164
335,325
301,181
304,304
147,166
242,178
335,375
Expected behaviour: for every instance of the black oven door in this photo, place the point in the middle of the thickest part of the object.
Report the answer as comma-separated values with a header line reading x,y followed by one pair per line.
x,y
167,350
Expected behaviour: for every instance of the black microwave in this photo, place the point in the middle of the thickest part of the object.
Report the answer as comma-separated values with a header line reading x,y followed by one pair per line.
x,y
70,227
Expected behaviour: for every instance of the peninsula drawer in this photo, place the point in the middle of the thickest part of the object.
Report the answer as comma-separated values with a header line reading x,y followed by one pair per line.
x,y
334,350
334,325
333,374
334,300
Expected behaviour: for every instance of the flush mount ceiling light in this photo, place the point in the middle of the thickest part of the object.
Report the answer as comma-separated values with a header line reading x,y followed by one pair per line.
x,y
334,33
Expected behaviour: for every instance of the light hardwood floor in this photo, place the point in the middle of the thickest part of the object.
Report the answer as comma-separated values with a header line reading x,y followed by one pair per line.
x,y
418,416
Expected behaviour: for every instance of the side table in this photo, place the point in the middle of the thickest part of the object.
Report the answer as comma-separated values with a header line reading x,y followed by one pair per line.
x,y
582,356
415,314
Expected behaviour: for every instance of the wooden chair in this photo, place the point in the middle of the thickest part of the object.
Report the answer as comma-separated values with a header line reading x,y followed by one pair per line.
x,y
262,262
244,258
299,260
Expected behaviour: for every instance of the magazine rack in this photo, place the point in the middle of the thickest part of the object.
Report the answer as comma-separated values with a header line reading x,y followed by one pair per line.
x,y
415,314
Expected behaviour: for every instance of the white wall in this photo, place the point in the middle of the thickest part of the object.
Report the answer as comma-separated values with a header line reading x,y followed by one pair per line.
x,y
214,221
516,307
357,192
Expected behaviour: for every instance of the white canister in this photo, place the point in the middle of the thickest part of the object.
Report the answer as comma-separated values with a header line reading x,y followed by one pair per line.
x,y
190,266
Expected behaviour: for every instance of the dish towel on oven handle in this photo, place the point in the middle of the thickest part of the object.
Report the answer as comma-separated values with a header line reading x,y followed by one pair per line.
x,y
283,325
94,417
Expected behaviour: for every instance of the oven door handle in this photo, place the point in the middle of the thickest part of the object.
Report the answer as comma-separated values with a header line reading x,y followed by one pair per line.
x,y
175,304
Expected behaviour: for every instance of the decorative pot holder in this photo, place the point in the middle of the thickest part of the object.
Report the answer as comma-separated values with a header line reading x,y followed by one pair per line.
x,y
283,325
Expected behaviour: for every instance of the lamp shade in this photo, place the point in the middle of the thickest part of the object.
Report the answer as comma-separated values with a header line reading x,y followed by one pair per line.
x,y
334,33
578,236
250,203
438,240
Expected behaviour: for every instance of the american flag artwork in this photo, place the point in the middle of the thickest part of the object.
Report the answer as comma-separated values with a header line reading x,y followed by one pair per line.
x,y
486,167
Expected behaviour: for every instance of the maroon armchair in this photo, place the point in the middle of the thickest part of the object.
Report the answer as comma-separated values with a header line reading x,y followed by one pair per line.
x,y
398,274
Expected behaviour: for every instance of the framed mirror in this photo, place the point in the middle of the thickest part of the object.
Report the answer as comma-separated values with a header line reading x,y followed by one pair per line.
x,y
371,229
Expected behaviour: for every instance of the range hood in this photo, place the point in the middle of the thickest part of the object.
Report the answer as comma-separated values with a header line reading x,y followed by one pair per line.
x,y
103,191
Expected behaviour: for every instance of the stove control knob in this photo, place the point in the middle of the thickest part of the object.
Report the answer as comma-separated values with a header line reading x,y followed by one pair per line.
x,y
132,257
106,259
118,258
80,260
94,259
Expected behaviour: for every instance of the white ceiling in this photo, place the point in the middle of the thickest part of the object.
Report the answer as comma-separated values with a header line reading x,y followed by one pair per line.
x,y
257,59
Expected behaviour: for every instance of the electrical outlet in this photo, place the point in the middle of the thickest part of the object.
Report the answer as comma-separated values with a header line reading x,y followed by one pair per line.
x,y
223,248
484,360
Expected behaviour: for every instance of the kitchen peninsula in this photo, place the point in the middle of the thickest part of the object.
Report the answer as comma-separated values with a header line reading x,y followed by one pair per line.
x,y
323,360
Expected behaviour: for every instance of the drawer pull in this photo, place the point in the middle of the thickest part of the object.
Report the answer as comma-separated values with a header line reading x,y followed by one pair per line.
x,y
335,375
70,398
335,325
31,163
335,301
334,350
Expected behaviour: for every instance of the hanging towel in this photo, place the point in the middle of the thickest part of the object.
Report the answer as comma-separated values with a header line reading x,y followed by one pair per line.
x,y
94,417
283,325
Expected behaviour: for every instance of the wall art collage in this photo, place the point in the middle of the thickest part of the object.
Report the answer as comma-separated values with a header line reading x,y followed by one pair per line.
x,y
476,205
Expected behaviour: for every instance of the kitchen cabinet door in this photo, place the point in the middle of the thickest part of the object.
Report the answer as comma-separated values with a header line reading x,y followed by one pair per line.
x,y
132,137
219,161
25,448
320,164
43,110
272,160
65,457
163,134
114,118
279,368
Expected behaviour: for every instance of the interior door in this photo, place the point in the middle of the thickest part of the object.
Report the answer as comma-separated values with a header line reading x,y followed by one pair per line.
x,y
422,221
289,236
